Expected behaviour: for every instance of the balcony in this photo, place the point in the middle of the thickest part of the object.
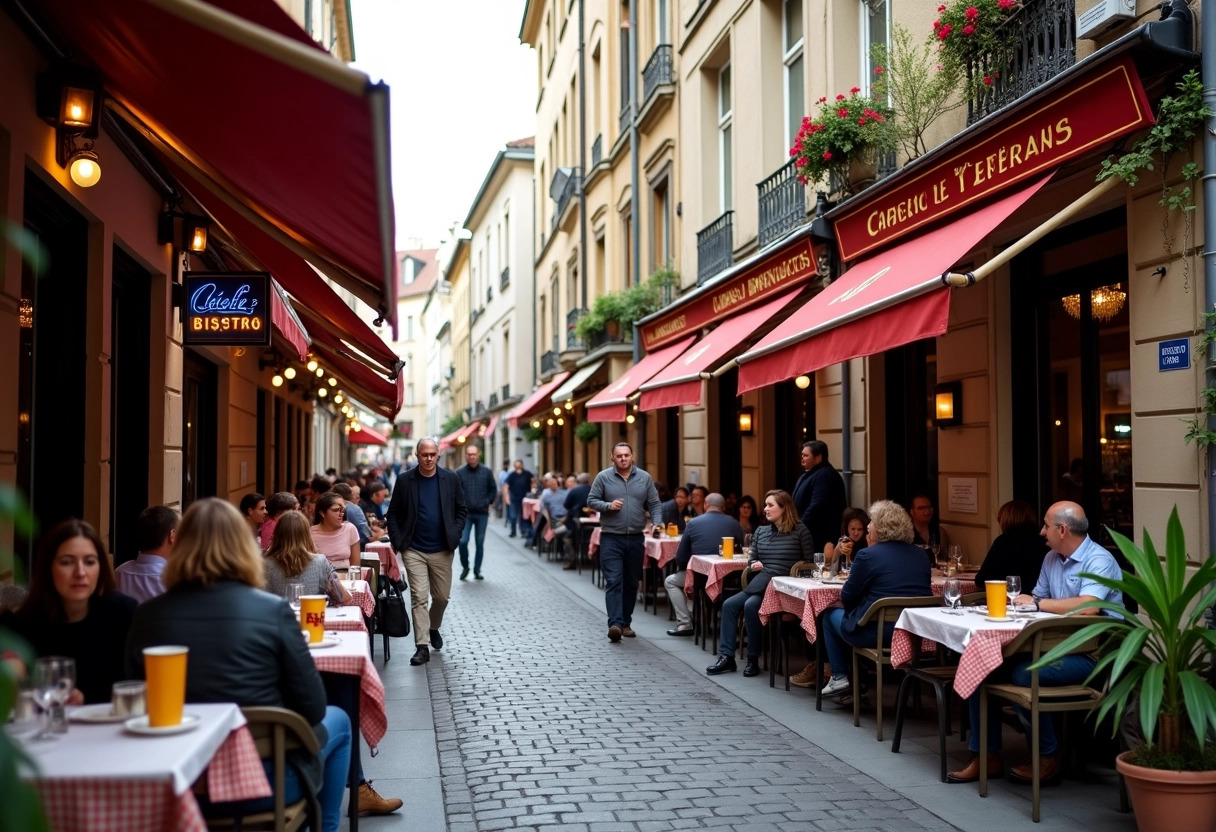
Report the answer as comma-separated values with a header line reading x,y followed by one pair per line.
x,y
782,203
597,150
626,118
548,363
563,189
506,392
715,243
506,279
657,70
602,338
479,407
493,401
573,342
1044,45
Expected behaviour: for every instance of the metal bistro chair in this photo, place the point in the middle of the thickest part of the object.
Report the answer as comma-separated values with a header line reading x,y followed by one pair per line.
x,y
275,732
778,643
1035,640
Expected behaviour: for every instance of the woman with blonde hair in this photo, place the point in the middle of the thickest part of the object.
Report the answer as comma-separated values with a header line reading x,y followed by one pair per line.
x,y
245,645
775,549
291,559
889,567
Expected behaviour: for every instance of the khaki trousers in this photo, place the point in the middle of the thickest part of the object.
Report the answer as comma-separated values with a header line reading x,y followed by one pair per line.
x,y
430,575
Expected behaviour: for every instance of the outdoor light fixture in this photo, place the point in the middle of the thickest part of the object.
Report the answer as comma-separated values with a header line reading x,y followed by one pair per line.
x,y
333,381
322,392
802,382
311,365
535,424
289,373
1104,302
557,411
549,423
320,373
561,422
746,415
193,235
83,166
338,399
948,404
70,100
276,380
630,419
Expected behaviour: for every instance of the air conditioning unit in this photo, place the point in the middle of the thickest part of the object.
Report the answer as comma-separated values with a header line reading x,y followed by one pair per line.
x,y
1103,17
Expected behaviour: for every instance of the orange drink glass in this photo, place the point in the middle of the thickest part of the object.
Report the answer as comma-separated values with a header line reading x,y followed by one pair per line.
x,y
673,530
165,670
312,616
728,547
996,598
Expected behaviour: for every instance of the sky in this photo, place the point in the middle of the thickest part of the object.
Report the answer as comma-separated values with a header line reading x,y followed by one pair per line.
x,y
461,86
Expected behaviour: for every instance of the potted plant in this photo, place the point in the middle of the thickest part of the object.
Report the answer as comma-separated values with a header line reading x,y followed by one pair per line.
x,y
587,432
1158,663
919,87
534,433
971,33
843,142
603,316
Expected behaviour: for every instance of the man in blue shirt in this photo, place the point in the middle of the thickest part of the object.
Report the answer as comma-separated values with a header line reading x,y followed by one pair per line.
x,y
155,533
1060,589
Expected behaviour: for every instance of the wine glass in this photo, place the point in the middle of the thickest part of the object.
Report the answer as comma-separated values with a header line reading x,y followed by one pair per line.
x,y
956,555
951,593
54,678
935,546
1013,588
294,591
818,558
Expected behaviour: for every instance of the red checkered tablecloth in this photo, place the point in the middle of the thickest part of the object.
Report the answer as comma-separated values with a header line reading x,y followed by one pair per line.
x,y
662,550
593,544
804,597
361,596
345,618
388,559
715,569
352,658
978,642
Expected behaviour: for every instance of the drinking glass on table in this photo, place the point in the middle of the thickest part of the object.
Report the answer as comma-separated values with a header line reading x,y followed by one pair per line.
x,y
956,555
294,591
1013,588
935,546
54,680
818,564
952,592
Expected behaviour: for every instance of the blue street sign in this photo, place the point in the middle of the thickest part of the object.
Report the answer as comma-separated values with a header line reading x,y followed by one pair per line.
x,y
1174,355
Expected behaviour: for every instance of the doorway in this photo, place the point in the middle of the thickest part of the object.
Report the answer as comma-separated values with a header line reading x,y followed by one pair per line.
x,y
795,417
130,377
911,437
199,396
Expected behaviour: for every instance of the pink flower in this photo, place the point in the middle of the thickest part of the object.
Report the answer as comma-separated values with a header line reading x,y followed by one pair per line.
x,y
840,97
968,30
941,8
944,32
879,70
988,80
972,13
936,25
793,151
827,155
861,122
854,90
1006,5
802,180
843,112
823,99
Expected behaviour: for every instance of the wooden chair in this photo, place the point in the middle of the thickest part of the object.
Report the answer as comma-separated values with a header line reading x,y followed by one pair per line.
x,y
275,732
1033,642
802,569
881,612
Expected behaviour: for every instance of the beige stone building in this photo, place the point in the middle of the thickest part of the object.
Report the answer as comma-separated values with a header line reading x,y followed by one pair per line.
x,y
417,271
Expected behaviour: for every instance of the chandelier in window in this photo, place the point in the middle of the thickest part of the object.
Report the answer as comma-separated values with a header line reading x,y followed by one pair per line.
x,y
1104,302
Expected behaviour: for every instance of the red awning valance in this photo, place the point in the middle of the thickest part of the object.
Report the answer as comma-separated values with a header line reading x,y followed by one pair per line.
x,y
609,405
539,400
298,138
366,436
885,301
286,323
489,431
373,391
460,436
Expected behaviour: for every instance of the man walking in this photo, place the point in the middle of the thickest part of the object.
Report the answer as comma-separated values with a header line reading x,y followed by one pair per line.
x,y
480,489
702,536
517,486
426,518
628,503
819,495
155,533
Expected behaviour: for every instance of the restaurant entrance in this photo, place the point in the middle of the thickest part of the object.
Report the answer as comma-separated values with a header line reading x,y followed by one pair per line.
x,y
199,403
1076,382
130,400
911,438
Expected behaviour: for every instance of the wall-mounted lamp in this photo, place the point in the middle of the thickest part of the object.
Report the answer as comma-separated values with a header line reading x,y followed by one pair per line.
x,y
746,415
948,404
311,365
276,380
802,382
70,100
631,418
194,231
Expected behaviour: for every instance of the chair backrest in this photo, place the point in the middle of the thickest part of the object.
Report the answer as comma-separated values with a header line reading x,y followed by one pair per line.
x,y
970,598
275,732
802,569
745,575
1040,636
886,610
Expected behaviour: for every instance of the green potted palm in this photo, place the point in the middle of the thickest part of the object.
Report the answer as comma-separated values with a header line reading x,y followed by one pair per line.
x,y
1158,663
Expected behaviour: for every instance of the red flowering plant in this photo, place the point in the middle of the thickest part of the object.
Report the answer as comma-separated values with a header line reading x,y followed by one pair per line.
x,y
848,128
972,31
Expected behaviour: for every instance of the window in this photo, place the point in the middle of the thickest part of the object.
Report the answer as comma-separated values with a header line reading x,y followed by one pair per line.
x,y
661,35
554,310
409,394
409,270
875,31
795,85
409,327
660,243
505,236
726,195
627,246
624,58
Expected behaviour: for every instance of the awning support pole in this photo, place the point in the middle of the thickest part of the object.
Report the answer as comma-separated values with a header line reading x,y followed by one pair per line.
x,y
1208,73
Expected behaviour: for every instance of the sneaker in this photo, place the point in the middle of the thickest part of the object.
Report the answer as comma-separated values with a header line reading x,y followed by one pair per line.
x,y
806,677
614,634
835,686
436,640
371,803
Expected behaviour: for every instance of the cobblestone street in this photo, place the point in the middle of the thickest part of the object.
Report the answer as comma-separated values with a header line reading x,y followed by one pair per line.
x,y
539,722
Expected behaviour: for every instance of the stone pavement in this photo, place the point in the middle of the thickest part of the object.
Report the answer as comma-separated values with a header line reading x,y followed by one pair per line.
x,y
529,718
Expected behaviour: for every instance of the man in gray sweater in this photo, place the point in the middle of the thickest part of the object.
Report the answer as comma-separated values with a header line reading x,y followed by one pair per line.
x,y
629,506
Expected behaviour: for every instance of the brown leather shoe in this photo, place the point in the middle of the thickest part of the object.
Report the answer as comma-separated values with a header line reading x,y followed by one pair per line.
x,y
371,803
1049,771
806,677
628,632
971,772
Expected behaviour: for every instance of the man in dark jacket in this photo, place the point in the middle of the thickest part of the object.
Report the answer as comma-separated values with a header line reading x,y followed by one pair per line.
x,y
480,488
577,489
426,519
702,536
819,494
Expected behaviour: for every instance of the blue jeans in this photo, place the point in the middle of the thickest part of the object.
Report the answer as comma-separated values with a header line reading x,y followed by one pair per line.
x,y
335,762
515,517
621,563
479,522
1069,670
748,602
839,645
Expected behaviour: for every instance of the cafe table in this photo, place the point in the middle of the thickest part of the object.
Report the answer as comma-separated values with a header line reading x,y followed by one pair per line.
x,y
345,618
593,544
388,558
347,663
361,596
703,582
977,640
100,777
662,551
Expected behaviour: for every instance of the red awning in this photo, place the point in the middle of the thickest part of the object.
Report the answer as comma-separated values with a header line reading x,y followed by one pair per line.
x,y
609,405
885,301
370,389
317,302
365,436
679,383
459,436
299,138
489,431
285,321
537,401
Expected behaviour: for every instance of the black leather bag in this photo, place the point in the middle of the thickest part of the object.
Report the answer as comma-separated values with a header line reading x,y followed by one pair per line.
x,y
392,615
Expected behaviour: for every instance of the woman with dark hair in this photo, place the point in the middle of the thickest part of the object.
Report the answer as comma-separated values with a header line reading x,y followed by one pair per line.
x,y
748,514
332,534
775,550
852,536
73,609
291,559
1018,549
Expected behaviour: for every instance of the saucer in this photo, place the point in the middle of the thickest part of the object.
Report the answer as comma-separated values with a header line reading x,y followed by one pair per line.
x,y
328,641
1002,620
139,725
95,713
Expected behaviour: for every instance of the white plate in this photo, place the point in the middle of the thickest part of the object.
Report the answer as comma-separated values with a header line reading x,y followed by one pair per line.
x,y
95,713
1004,620
328,641
139,725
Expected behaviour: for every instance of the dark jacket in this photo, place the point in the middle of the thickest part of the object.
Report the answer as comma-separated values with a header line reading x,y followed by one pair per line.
x,y
672,514
1016,552
480,487
403,510
779,552
704,534
819,499
576,501
891,569
245,647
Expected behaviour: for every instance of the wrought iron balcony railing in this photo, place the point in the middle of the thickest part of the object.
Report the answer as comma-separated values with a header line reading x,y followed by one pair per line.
x,y
506,392
715,243
493,400
657,70
573,342
626,118
479,406
567,193
782,203
548,362
489,293
506,279
597,150
1044,44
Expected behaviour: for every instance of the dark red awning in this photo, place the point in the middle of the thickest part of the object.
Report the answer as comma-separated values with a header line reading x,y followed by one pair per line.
x,y
365,436
537,401
286,324
885,301
296,136
609,405
371,390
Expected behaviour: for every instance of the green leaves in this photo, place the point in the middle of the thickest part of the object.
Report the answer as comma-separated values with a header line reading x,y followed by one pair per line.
x,y
20,809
